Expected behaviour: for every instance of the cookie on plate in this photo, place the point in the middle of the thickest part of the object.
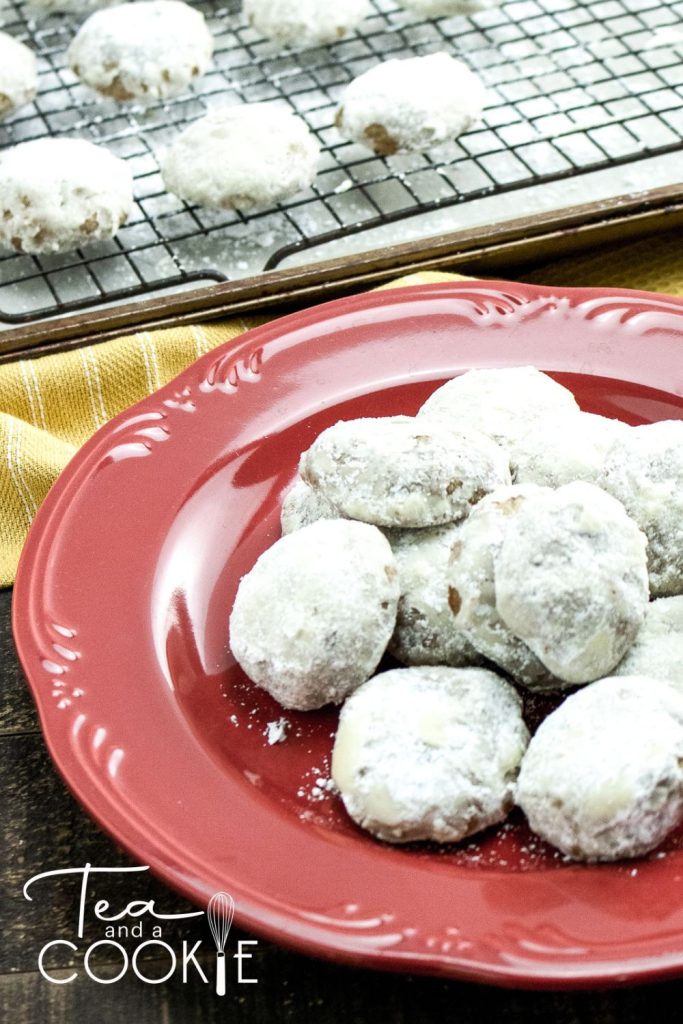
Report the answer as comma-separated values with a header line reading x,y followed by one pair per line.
x,y
426,633
148,50
402,471
410,105
302,506
602,778
313,617
429,753
571,580
241,157
644,470
551,454
18,75
504,403
305,22
658,649
57,194
472,588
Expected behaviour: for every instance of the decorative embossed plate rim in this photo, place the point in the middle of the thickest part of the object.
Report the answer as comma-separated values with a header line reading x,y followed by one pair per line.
x,y
119,608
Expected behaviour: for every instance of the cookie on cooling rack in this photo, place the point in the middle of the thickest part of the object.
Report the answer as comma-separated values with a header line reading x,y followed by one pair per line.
x,y
148,50
426,633
58,194
503,403
402,471
658,648
644,470
551,454
571,580
241,157
18,75
429,753
410,105
472,588
602,778
306,22
447,8
313,617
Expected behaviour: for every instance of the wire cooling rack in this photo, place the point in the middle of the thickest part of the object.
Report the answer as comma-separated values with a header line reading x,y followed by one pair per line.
x,y
574,86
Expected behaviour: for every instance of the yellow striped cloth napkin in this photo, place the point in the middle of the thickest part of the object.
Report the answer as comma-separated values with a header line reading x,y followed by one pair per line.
x,y
51,405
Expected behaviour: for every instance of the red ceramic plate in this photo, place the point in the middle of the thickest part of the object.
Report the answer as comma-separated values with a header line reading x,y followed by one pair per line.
x,y
121,610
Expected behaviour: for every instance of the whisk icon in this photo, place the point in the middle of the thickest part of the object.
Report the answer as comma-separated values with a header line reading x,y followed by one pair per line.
x,y
220,912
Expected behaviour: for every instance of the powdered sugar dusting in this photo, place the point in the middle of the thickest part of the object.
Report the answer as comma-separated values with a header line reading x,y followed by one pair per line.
x,y
276,732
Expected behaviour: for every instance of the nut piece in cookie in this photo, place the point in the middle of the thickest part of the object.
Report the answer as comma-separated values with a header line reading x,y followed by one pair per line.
x,y
603,776
410,105
402,471
429,753
313,617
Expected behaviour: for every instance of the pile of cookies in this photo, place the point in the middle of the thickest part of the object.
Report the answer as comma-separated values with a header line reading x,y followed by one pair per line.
x,y
58,194
500,542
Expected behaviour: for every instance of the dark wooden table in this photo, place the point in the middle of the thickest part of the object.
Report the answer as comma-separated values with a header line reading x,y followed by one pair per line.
x,y
43,829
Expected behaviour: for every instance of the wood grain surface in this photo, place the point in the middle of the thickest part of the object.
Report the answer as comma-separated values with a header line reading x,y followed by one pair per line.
x,y
42,828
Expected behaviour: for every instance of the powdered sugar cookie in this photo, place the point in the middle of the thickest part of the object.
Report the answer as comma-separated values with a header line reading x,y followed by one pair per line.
x,y
603,776
313,617
18,75
658,648
429,753
571,580
472,588
303,506
241,157
425,632
447,8
305,22
410,105
644,470
147,50
57,194
503,403
552,455
401,471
